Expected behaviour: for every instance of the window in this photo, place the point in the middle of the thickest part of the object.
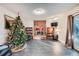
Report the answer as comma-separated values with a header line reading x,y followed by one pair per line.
x,y
76,32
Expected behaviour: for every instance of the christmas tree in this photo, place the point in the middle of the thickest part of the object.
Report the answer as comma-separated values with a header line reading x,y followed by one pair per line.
x,y
17,35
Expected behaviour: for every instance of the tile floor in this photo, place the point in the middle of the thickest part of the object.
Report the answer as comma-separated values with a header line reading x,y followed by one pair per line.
x,y
46,48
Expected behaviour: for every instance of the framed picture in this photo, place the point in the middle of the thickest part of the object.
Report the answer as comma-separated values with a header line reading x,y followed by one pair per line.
x,y
9,21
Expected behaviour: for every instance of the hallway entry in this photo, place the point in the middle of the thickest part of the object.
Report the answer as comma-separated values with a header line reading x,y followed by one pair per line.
x,y
39,29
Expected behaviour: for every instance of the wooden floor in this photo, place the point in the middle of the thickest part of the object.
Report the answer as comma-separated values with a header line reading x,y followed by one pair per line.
x,y
46,48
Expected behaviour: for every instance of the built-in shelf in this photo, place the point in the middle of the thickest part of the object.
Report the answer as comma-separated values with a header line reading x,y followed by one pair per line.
x,y
29,31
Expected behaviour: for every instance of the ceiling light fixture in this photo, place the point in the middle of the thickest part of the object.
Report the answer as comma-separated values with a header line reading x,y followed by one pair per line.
x,y
39,11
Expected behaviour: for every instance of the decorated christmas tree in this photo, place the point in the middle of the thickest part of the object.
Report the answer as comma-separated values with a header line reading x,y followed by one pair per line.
x,y
17,35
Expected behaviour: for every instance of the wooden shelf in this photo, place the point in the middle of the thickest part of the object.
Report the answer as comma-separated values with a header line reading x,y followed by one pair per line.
x,y
29,31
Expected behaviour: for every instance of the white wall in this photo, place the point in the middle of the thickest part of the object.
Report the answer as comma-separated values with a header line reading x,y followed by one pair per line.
x,y
3,32
62,25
